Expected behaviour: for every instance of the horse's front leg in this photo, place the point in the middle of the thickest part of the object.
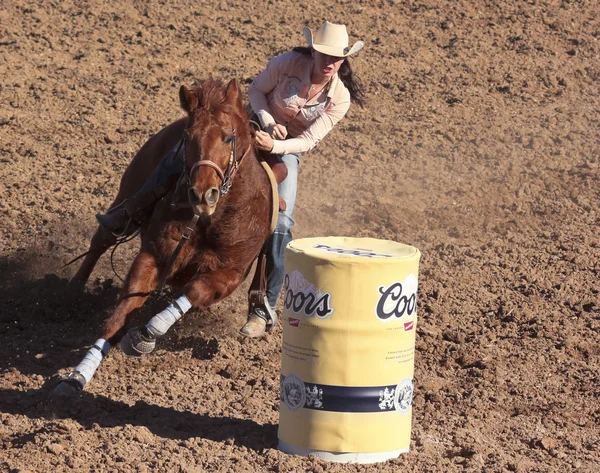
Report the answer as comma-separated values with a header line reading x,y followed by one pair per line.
x,y
201,292
141,281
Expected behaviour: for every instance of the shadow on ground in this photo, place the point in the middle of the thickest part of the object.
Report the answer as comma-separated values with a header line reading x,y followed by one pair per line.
x,y
46,325
89,409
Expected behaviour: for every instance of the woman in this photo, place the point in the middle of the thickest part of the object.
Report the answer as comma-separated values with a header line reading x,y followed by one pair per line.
x,y
298,98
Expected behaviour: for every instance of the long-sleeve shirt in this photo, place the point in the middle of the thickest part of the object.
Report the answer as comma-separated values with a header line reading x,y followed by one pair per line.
x,y
282,93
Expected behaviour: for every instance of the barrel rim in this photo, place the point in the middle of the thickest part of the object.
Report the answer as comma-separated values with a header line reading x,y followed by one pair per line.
x,y
308,247
341,457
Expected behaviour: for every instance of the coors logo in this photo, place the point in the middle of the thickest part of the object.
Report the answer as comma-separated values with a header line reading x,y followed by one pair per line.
x,y
398,299
302,296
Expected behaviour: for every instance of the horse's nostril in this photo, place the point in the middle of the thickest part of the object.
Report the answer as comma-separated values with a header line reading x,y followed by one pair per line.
x,y
212,196
194,197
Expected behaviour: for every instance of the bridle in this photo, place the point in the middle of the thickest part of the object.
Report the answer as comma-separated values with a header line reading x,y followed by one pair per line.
x,y
226,176
226,183
232,167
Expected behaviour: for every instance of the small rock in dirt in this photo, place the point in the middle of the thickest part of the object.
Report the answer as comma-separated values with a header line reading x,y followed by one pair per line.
x,y
548,443
11,422
55,448
453,336
143,435
477,460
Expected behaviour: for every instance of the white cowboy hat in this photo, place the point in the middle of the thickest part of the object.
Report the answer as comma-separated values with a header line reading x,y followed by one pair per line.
x,y
331,39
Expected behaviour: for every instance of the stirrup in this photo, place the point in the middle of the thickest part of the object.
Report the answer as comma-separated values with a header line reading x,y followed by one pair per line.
x,y
268,314
271,313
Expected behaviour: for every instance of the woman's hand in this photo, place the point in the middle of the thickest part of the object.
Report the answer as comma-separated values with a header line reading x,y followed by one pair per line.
x,y
277,132
263,141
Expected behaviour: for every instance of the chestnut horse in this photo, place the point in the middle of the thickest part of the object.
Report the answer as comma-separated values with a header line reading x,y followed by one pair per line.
x,y
226,221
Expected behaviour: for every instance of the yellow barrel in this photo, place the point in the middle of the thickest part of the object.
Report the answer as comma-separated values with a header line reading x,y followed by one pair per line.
x,y
349,324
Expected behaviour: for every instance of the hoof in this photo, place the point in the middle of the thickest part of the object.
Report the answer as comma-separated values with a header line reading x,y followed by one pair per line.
x,y
136,343
69,386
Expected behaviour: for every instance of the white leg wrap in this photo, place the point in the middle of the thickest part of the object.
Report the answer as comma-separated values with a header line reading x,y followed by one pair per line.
x,y
162,322
92,359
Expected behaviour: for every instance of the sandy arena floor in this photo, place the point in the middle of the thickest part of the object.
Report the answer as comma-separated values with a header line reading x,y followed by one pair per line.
x,y
480,145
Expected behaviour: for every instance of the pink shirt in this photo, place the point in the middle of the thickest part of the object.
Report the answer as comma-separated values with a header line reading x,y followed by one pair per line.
x,y
280,93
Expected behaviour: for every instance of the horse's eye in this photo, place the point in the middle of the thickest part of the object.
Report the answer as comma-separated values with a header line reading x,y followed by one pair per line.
x,y
228,140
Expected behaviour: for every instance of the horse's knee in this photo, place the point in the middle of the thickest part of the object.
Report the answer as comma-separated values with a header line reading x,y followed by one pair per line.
x,y
205,291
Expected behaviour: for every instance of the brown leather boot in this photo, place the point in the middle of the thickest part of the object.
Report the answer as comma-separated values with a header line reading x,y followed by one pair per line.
x,y
256,325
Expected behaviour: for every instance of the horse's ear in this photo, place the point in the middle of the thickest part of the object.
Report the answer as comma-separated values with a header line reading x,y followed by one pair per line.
x,y
233,94
188,99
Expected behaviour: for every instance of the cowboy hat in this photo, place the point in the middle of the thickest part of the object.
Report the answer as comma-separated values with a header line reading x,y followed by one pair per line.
x,y
331,39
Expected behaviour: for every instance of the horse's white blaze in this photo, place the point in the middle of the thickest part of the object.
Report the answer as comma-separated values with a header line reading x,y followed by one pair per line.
x,y
162,322
92,359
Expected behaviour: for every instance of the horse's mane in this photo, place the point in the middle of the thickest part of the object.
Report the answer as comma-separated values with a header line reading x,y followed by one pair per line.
x,y
211,97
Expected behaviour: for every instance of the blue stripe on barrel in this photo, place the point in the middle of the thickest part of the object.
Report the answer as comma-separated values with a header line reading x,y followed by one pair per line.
x,y
324,397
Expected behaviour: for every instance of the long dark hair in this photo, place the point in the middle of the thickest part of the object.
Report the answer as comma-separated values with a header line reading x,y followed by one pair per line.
x,y
348,78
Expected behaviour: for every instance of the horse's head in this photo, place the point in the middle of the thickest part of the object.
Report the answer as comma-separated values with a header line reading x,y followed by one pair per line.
x,y
217,138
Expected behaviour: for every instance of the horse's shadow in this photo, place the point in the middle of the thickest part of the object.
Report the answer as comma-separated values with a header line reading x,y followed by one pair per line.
x,y
162,421
46,325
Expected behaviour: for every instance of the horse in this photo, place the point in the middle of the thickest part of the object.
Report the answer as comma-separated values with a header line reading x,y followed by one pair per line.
x,y
203,248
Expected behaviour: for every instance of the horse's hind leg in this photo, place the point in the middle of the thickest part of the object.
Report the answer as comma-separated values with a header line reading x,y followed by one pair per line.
x,y
101,241
141,281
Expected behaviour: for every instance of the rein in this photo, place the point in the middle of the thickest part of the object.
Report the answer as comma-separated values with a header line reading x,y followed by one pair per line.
x,y
184,238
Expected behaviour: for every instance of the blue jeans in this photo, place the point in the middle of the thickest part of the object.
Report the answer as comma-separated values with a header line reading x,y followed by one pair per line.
x,y
282,235
171,165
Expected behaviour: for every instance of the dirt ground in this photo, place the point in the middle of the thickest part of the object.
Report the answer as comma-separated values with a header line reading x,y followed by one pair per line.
x,y
480,145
